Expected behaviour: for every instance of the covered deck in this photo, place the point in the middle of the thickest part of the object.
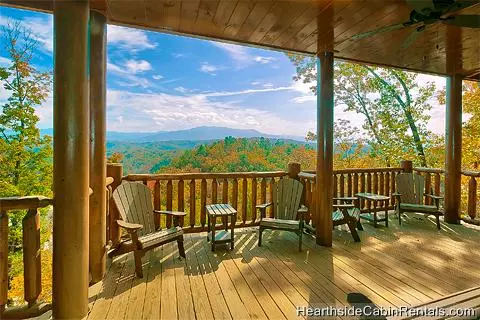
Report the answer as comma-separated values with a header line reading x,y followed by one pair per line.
x,y
391,266
394,266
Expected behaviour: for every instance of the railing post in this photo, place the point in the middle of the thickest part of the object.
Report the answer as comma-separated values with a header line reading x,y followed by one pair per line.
x,y
294,169
3,260
407,166
32,273
472,197
114,170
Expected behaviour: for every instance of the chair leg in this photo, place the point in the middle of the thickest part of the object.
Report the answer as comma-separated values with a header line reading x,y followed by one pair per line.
x,y
353,231
137,254
399,217
260,231
300,234
359,225
438,222
181,249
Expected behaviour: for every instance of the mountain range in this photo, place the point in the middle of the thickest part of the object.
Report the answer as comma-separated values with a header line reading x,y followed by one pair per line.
x,y
198,133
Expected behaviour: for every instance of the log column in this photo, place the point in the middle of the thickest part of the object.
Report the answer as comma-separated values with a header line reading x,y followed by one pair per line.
x,y
98,165
453,149
324,183
70,160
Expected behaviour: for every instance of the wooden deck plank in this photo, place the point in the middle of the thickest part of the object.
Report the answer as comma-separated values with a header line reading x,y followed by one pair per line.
x,y
151,308
215,296
283,302
120,300
232,297
261,294
248,298
270,281
203,310
104,299
136,298
168,298
182,283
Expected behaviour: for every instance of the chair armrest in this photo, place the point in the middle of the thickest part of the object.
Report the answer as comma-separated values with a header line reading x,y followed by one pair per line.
x,y
263,205
303,209
433,196
130,227
170,213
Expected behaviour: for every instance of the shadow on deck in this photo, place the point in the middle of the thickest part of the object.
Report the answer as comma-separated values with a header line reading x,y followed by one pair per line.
x,y
395,266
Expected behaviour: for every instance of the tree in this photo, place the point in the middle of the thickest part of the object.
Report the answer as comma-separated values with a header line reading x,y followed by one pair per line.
x,y
391,101
471,127
25,157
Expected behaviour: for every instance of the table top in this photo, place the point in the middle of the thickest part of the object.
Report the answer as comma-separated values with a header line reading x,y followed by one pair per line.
x,y
372,196
220,209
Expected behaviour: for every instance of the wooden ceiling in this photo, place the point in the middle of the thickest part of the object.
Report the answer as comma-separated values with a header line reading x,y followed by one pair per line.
x,y
304,26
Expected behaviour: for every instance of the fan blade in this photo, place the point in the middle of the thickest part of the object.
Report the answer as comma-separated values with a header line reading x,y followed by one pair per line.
x,y
379,30
411,38
464,20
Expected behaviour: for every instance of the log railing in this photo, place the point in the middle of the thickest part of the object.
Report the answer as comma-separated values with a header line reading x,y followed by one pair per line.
x,y
472,204
31,255
190,192
348,182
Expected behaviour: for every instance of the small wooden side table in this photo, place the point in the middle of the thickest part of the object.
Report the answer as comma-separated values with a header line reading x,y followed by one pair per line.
x,y
223,236
374,199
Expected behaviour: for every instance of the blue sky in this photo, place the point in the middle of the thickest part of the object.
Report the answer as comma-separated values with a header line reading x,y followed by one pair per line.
x,y
160,82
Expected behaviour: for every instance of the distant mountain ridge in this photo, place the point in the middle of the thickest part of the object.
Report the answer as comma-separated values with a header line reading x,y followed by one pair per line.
x,y
198,133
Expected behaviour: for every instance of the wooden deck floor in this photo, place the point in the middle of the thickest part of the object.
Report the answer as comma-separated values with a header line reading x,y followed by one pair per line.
x,y
393,266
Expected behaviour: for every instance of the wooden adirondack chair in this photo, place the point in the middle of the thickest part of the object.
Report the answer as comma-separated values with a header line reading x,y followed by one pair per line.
x,y
410,195
135,204
286,204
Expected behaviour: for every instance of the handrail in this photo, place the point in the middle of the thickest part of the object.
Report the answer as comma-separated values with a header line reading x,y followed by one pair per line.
x,y
31,254
202,175
429,170
243,190
29,202
471,173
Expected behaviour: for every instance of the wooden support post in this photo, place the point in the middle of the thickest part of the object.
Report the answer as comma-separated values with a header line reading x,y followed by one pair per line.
x,y
32,273
98,149
3,260
114,170
453,149
70,160
472,197
324,183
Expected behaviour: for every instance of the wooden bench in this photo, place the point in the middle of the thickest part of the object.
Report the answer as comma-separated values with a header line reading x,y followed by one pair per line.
x,y
469,298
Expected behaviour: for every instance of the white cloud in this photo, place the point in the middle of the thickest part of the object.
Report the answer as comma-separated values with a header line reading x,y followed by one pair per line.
x,y
208,68
179,55
181,89
268,85
263,60
5,61
247,91
128,76
137,66
255,83
129,38
160,111
41,28
157,77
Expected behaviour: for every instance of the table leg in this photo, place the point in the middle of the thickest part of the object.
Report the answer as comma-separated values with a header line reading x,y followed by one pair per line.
x,y
375,222
386,215
233,221
213,233
208,227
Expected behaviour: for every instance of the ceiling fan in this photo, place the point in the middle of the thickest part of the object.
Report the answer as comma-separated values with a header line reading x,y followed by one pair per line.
x,y
426,12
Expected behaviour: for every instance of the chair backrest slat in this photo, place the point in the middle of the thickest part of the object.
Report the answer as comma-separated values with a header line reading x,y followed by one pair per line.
x,y
135,204
286,198
411,187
